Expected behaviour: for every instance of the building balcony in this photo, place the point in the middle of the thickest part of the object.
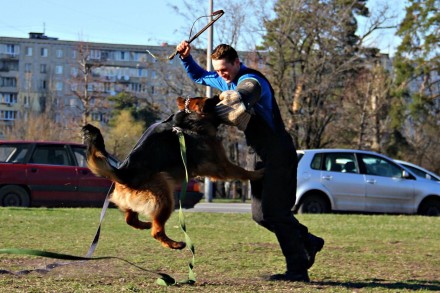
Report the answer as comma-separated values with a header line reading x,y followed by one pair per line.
x,y
9,56
9,65
8,89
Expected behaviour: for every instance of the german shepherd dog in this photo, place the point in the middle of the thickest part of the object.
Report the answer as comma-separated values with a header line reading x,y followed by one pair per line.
x,y
145,182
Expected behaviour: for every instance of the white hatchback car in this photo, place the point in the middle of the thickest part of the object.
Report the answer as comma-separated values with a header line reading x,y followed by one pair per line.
x,y
361,181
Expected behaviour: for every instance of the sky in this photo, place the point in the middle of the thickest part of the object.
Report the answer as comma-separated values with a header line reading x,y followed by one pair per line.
x,y
143,22
134,22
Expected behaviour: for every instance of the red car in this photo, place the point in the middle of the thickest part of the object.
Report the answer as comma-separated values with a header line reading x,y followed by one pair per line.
x,y
54,174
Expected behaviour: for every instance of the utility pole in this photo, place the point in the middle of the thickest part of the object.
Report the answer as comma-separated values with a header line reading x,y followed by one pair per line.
x,y
208,183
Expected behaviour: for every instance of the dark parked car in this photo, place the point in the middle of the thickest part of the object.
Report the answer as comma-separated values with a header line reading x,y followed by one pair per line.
x,y
191,197
55,174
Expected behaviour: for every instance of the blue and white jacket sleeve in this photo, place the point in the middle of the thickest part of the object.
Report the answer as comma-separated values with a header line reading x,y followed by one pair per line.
x,y
202,76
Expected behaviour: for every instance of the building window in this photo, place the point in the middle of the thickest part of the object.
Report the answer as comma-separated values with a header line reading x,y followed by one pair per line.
x,y
8,65
8,115
28,51
95,54
43,84
12,49
10,98
44,52
74,71
8,82
59,86
122,56
28,67
74,54
59,53
26,101
59,69
98,116
43,68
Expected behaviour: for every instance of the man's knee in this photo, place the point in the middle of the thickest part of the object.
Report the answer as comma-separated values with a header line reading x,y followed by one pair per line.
x,y
260,220
270,219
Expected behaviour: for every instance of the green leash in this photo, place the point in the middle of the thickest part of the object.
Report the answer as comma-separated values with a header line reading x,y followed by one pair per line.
x,y
167,280
48,254
164,280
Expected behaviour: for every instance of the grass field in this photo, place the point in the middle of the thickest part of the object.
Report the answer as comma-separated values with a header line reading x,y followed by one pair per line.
x,y
363,253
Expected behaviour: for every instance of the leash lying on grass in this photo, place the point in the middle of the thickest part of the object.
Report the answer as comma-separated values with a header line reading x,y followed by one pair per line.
x,y
164,280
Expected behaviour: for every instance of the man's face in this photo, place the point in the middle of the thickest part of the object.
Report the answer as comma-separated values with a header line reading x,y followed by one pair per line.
x,y
226,70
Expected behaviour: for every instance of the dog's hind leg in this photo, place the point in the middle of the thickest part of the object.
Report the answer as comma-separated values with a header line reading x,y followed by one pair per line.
x,y
158,232
132,219
164,194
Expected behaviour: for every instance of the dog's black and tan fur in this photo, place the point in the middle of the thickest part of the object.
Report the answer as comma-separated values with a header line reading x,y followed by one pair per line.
x,y
145,183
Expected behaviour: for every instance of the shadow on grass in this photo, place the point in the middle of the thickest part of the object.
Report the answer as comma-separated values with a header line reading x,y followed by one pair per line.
x,y
377,283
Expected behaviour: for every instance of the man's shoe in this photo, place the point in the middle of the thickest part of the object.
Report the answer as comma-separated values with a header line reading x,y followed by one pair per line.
x,y
291,277
315,244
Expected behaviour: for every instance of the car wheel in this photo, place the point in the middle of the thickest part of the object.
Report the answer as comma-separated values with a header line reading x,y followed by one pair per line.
x,y
430,207
12,195
314,204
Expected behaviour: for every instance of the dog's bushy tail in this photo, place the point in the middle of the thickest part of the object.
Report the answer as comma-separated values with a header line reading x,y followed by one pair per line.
x,y
97,156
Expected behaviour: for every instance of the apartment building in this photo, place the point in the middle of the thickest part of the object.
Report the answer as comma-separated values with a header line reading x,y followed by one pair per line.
x,y
41,72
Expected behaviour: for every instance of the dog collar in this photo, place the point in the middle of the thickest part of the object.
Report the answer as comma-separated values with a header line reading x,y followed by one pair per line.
x,y
187,100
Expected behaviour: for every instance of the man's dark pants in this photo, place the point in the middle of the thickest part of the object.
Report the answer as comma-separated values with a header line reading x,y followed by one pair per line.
x,y
274,196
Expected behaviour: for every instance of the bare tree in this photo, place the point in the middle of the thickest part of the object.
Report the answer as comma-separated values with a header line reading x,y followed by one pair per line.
x,y
82,82
239,27
363,121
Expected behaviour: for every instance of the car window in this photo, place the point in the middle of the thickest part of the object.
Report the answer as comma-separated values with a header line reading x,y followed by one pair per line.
x,y
421,173
316,162
340,162
13,153
80,155
380,167
51,155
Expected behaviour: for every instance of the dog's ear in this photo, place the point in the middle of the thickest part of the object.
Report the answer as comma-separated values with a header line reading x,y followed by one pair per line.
x,y
180,103
196,104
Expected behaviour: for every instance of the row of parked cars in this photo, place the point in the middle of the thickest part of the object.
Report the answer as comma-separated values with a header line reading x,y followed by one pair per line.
x,y
54,174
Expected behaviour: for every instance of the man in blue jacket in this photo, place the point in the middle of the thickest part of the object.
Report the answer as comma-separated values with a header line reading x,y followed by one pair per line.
x,y
247,101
